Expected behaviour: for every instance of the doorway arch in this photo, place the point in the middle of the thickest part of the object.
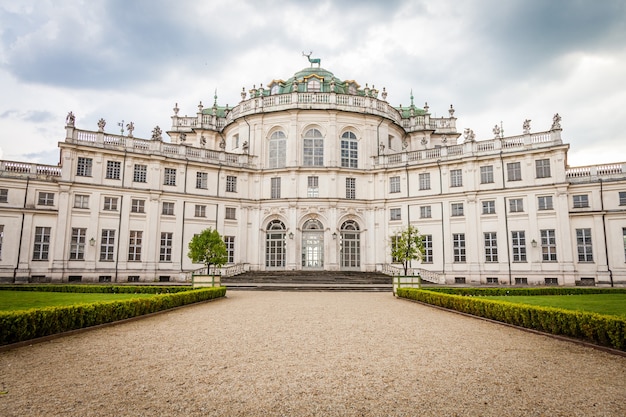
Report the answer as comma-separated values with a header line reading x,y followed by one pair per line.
x,y
312,245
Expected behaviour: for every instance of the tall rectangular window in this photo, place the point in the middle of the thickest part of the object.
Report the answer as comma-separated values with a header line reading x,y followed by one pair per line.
x,y
231,184
394,245
580,201
545,202
134,245
458,246
200,210
622,198
514,171
548,245
518,241
491,247
275,187
169,176
313,190
489,207
427,240
351,188
584,245
4,195
1,238
137,206
84,166
107,245
542,168
230,249
165,252
456,209
424,180
349,150
231,213
140,173
486,174
202,180
114,169
168,208
425,212
45,199
394,184
395,214
516,205
110,204
41,244
313,149
456,178
77,244
81,201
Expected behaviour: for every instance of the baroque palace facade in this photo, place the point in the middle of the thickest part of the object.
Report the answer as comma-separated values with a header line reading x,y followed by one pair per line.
x,y
314,173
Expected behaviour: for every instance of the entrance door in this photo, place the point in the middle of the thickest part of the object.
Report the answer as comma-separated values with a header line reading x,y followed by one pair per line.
x,y
312,245
350,245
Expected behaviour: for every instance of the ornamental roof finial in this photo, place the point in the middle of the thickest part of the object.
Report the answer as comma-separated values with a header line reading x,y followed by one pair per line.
x,y
411,97
215,98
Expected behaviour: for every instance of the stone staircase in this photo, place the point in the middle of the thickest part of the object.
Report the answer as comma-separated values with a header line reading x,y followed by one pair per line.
x,y
309,281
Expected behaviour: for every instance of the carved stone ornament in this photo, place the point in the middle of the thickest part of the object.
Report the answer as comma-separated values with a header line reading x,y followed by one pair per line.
x,y
526,126
101,124
183,137
70,119
130,127
202,141
223,144
424,141
444,139
469,135
496,132
556,122
157,134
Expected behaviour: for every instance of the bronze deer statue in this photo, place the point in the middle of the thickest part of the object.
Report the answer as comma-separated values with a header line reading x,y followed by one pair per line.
x,y
312,60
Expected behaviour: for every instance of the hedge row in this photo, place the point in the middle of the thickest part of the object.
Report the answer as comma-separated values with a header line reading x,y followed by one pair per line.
x,y
599,329
17,326
90,288
528,291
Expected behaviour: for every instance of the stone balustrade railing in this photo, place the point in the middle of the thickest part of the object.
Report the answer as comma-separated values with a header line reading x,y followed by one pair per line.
x,y
8,168
514,143
345,102
593,172
156,147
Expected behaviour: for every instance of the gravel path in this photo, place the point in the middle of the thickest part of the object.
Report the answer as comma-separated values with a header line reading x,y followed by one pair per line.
x,y
310,354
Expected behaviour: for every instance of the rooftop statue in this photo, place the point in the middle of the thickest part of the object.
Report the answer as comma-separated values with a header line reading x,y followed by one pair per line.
x,y
317,61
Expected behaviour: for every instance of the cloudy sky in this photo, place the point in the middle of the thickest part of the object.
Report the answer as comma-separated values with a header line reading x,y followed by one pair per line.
x,y
496,61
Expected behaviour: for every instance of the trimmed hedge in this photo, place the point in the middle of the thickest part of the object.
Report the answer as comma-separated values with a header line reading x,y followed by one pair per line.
x,y
596,328
528,291
18,326
90,288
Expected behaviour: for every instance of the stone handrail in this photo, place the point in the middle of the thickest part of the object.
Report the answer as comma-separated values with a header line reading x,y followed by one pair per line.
x,y
472,148
156,147
592,172
314,100
225,271
10,167
426,275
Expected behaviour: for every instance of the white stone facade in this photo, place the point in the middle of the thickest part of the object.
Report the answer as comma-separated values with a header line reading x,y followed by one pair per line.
x,y
314,173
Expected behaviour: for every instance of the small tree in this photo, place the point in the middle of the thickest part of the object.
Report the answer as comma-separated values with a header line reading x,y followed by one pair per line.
x,y
406,246
208,248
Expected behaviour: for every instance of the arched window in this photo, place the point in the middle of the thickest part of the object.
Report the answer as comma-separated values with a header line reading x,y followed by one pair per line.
x,y
313,148
349,150
275,89
313,85
277,149
313,244
350,245
275,244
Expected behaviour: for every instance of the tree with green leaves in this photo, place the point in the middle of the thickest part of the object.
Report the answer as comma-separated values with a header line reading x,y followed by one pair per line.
x,y
407,245
208,248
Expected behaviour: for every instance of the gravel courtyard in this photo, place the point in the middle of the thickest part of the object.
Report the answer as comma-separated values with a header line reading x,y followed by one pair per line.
x,y
310,354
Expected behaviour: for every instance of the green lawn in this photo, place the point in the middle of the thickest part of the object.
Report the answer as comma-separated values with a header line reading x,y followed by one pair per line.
x,y
612,304
23,300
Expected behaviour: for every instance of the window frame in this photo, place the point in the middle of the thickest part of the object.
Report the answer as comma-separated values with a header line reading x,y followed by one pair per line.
x,y
516,205
580,201
107,245
424,181
113,170
169,176
548,245
488,207
514,171
351,188
84,166
140,173
518,246
426,212
486,174
349,150
395,214
542,168
491,247
394,184
458,248
456,178
545,202
275,187
584,245
457,210
231,184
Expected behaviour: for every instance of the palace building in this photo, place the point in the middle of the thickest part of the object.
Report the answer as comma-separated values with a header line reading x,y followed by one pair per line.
x,y
314,173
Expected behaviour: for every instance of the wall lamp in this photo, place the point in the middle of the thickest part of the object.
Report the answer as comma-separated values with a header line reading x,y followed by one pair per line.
x,y
92,242
534,243
290,235
334,236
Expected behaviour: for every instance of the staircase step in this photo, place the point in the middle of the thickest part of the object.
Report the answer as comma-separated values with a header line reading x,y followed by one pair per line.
x,y
310,281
